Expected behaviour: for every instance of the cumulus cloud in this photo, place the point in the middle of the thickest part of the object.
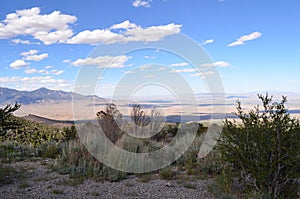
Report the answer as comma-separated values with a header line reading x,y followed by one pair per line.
x,y
30,52
186,70
53,37
203,74
124,25
179,64
30,83
37,57
217,64
242,39
207,42
95,37
152,33
55,28
141,3
132,33
67,61
30,70
20,41
31,55
103,61
18,64
43,71
48,28
56,72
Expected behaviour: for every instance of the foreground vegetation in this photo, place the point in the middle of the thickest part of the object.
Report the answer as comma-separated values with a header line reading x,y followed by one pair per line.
x,y
256,157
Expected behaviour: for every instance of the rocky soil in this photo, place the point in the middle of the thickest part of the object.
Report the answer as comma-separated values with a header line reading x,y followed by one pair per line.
x,y
35,180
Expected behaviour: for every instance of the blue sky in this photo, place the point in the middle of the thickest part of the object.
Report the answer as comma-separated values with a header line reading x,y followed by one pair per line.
x,y
253,44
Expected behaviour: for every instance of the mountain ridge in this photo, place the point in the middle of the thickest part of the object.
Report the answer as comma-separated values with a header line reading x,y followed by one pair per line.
x,y
39,96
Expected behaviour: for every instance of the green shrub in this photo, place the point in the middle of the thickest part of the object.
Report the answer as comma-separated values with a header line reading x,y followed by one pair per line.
x,y
189,159
5,118
138,145
265,148
224,180
166,173
11,152
144,178
70,133
49,149
76,160
31,133
211,164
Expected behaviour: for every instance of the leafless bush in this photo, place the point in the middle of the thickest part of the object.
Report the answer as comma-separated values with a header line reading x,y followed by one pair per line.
x,y
110,121
146,124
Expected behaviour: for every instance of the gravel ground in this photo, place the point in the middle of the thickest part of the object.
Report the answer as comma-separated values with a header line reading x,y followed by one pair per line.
x,y
37,181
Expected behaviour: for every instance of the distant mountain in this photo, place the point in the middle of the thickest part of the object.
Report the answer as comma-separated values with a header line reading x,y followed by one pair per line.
x,y
41,95
56,123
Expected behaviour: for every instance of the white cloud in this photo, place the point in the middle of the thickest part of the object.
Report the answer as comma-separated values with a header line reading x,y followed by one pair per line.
x,y
56,72
30,70
67,61
203,74
18,64
141,3
103,61
26,42
217,64
48,28
180,64
37,57
187,70
30,52
30,83
124,25
55,28
31,55
44,72
48,67
41,79
242,39
53,37
152,33
95,36
132,33
207,42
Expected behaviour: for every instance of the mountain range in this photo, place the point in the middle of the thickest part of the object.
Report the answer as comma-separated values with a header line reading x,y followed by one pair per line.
x,y
58,104
39,96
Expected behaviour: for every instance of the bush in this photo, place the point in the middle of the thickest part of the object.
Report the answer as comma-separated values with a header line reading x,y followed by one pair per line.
x,y
76,160
5,115
70,133
265,148
109,121
31,133
10,152
166,173
49,149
